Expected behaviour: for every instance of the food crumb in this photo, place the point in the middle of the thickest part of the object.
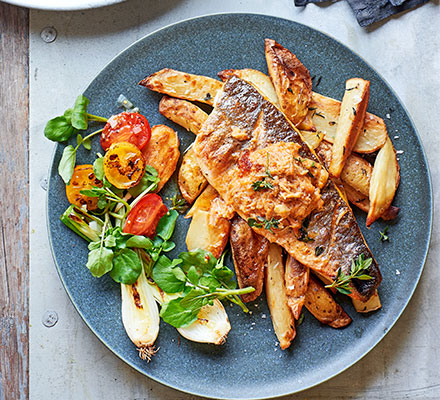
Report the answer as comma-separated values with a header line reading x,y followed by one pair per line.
x,y
250,313
388,116
396,137
399,151
397,272
253,323
263,316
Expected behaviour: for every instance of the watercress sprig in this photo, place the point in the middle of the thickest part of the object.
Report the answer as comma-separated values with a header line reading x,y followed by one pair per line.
x,y
198,278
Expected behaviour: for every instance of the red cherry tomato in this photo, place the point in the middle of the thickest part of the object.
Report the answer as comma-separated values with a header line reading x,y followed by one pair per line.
x,y
126,127
145,215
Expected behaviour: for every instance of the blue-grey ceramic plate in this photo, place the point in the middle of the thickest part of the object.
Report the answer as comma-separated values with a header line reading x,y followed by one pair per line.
x,y
249,364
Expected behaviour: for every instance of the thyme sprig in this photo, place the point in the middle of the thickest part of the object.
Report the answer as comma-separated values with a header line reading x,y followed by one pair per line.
x,y
263,184
261,222
357,271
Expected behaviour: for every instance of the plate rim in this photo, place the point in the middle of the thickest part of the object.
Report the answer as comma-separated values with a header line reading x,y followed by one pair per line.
x,y
428,231
85,4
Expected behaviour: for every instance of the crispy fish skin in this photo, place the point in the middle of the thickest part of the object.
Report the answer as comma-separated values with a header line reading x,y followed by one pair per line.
x,y
239,106
249,252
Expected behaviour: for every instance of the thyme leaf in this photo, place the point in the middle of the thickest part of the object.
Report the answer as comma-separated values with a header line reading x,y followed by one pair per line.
x,y
384,235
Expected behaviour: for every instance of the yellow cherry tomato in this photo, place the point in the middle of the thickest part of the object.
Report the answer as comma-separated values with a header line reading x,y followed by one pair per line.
x,y
83,178
124,165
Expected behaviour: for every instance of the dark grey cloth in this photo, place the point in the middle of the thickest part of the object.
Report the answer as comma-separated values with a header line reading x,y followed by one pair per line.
x,y
369,11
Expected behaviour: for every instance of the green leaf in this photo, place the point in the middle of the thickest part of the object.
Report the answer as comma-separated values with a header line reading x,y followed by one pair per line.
x,y
203,260
168,246
100,261
79,113
164,276
343,290
193,275
102,203
223,274
166,225
79,139
98,168
140,242
176,315
59,129
127,267
94,245
68,115
149,180
179,274
110,241
67,163
87,143
193,299
364,277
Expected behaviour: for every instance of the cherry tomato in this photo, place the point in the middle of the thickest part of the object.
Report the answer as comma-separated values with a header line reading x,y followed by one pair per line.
x,y
126,127
82,178
145,215
124,165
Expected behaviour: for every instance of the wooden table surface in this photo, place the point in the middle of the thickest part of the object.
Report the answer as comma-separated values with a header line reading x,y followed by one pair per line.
x,y
14,179
387,368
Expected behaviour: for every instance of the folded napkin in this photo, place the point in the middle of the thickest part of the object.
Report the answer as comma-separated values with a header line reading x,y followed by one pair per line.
x,y
369,11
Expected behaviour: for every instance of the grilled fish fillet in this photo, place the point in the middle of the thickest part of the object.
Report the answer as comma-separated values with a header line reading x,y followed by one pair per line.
x,y
246,139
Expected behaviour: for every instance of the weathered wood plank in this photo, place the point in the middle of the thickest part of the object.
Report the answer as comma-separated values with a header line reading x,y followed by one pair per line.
x,y
14,204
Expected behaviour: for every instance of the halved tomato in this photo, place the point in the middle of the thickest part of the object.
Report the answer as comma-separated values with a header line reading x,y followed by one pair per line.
x,y
126,127
83,178
145,215
124,165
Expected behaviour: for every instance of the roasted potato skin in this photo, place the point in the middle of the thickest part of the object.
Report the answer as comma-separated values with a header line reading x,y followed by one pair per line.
x,y
259,80
384,182
361,201
297,281
183,85
162,152
183,113
249,251
291,80
323,307
190,179
350,122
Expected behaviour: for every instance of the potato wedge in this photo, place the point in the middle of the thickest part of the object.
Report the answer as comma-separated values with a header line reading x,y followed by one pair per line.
x,y
204,201
313,139
208,229
350,122
297,281
183,113
291,80
356,172
282,319
384,182
183,85
361,201
162,152
249,252
190,179
323,307
261,81
324,112
372,304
